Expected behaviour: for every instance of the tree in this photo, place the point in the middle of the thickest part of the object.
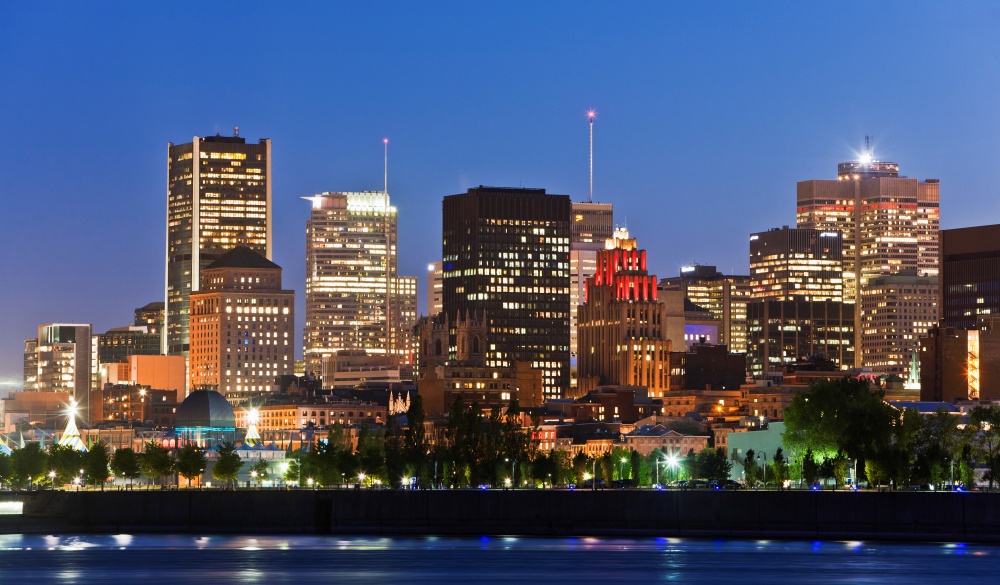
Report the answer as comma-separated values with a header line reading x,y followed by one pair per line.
x,y
191,462
228,465
750,469
260,470
6,469
125,463
66,462
95,463
810,470
779,467
29,463
986,421
155,461
712,464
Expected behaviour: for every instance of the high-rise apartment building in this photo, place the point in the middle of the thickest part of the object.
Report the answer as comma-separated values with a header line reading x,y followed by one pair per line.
x,y
889,223
435,283
506,258
31,364
970,275
622,326
63,358
242,327
355,301
591,225
724,296
797,265
218,197
896,309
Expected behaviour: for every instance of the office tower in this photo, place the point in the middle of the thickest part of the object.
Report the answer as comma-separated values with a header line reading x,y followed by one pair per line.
x,y
591,225
623,328
218,197
783,333
242,325
150,316
355,301
896,309
120,342
506,258
435,282
64,361
796,265
970,275
724,296
30,365
961,364
889,223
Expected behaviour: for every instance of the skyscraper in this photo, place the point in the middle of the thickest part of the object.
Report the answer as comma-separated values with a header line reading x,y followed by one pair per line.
x,y
897,309
506,259
434,283
218,197
63,358
970,275
591,226
355,301
242,326
623,328
796,264
889,223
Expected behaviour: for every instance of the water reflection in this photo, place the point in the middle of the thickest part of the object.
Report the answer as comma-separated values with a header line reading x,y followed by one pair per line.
x,y
298,559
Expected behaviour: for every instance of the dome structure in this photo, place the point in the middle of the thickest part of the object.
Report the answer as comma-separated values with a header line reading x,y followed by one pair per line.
x,y
205,408
205,418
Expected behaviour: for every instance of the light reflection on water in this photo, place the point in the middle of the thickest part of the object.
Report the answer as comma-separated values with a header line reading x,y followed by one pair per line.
x,y
296,559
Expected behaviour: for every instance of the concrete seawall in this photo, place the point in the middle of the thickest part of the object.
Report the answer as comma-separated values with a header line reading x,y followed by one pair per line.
x,y
795,514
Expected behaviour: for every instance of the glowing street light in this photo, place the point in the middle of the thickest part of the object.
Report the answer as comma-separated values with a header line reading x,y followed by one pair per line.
x,y
361,478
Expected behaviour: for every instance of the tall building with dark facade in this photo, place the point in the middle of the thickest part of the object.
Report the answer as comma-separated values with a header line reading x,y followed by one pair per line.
x,y
150,316
970,275
218,197
505,254
797,265
780,333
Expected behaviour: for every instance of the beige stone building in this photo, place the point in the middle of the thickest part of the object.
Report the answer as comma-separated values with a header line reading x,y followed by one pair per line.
x,y
242,325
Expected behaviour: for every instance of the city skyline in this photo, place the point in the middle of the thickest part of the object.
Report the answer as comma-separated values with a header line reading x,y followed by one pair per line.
x,y
718,106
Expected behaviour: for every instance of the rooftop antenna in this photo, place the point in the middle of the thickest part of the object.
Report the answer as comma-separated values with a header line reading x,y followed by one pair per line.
x,y
591,114
869,153
385,163
390,337
236,131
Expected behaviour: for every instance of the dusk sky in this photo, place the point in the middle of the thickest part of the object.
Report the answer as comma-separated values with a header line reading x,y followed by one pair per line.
x,y
708,114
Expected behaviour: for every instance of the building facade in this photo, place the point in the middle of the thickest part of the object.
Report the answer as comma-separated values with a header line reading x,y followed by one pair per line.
x,y
63,357
970,275
150,316
505,255
435,284
623,327
961,364
724,296
784,332
242,327
896,310
355,301
591,226
218,197
798,264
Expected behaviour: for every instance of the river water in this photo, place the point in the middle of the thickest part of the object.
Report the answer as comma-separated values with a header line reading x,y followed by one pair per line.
x,y
330,559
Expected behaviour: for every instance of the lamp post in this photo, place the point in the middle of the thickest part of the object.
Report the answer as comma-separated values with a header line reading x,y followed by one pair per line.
x,y
512,478
672,463
593,485
52,478
361,479
621,472
763,456
253,477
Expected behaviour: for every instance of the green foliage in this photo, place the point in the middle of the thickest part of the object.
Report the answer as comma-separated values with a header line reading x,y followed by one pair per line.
x,y
6,468
227,466
709,463
810,469
29,464
261,469
751,471
66,462
125,463
986,444
155,461
95,463
191,462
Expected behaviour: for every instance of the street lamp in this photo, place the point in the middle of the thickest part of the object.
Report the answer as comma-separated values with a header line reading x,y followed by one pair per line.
x,y
309,482
52,478
763,456
672,463
253,475
506,459
621,471
361,479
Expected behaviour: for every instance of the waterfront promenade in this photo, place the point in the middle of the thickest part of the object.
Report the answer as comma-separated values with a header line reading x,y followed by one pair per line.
x,y
917,516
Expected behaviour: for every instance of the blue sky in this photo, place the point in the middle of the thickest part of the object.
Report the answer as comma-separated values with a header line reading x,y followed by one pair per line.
x,y
708,114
